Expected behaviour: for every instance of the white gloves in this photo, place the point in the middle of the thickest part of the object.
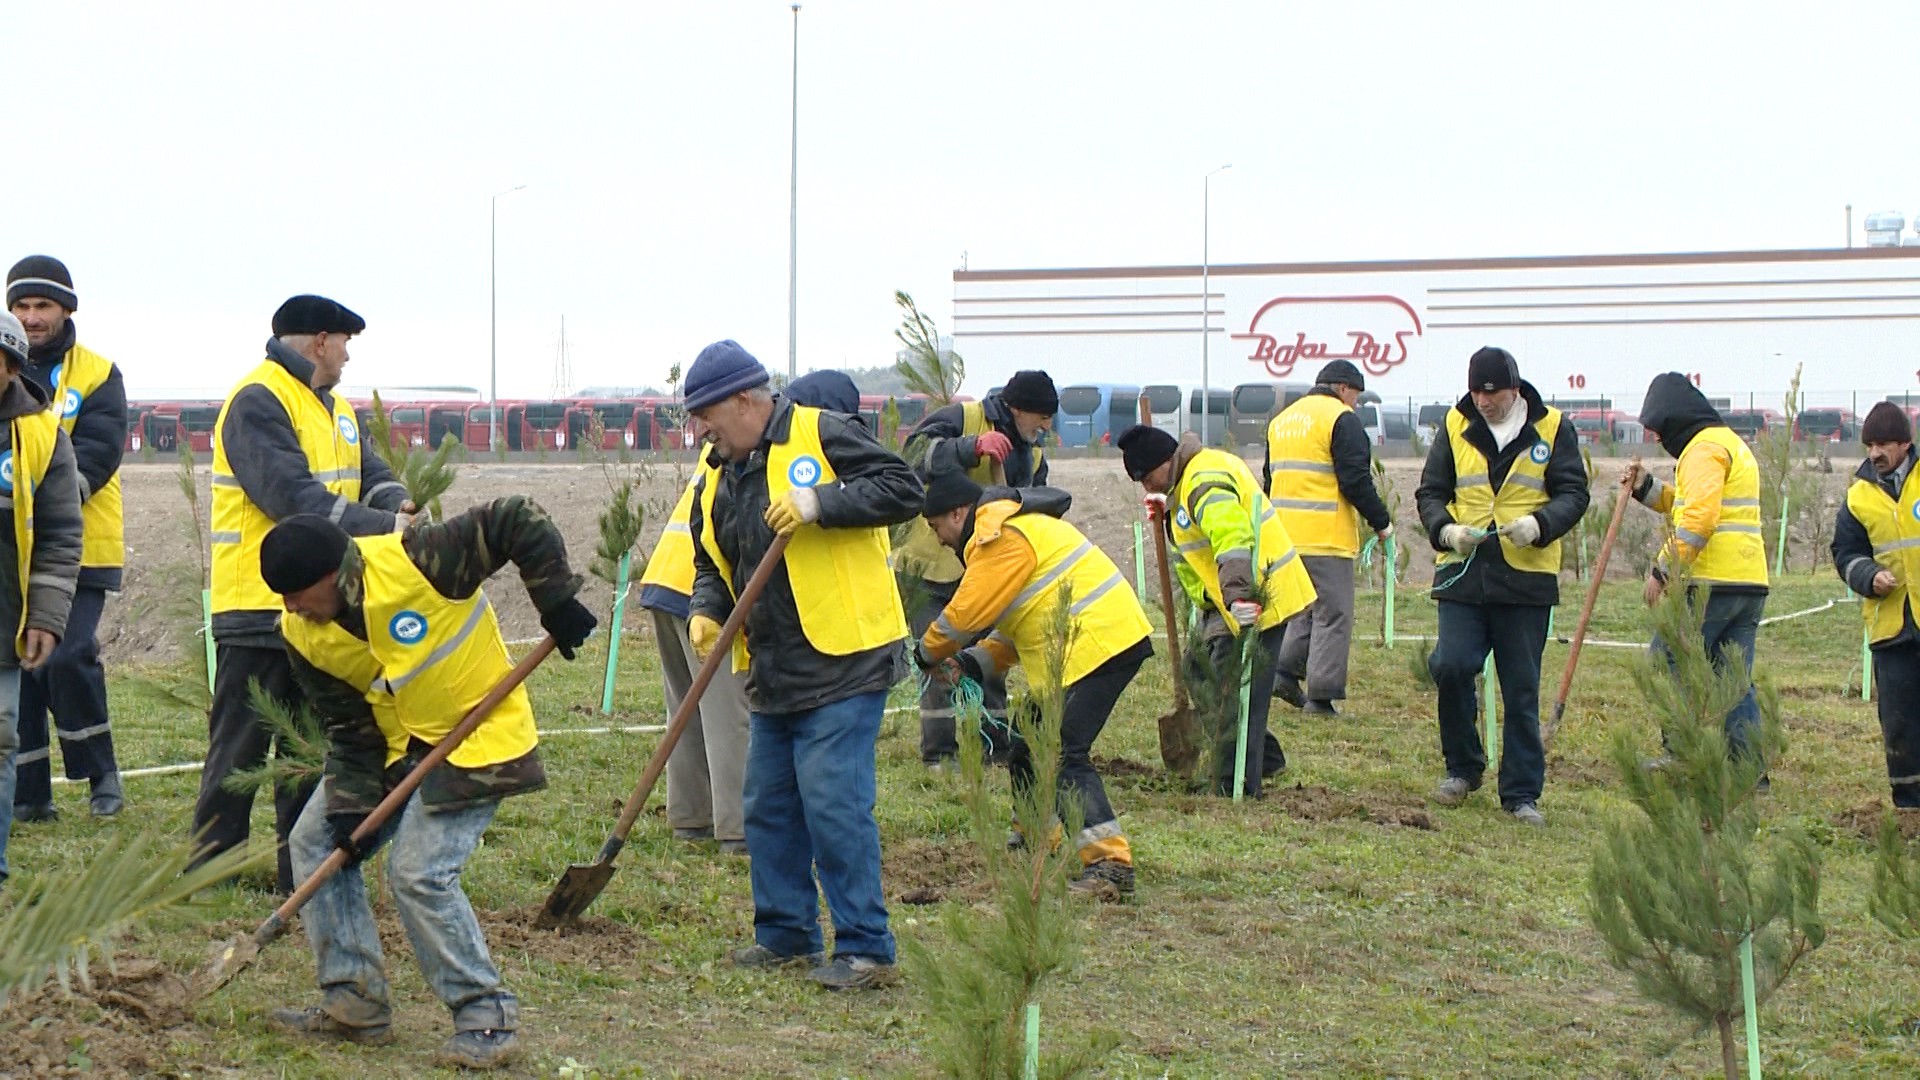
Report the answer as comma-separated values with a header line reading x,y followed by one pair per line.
x,y
1523,532
401,521
1385,534
1460,539
1244,612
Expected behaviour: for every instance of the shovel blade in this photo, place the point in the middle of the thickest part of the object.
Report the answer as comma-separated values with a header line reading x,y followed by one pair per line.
x,y
1180,742
577,890
230,958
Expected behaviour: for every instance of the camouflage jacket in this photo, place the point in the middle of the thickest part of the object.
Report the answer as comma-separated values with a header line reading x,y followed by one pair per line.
x,y
456,557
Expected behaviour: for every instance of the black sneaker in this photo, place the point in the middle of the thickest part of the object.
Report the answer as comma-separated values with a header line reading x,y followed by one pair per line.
x,y
107,799
35,812
853,973
1287,688
485,1048
315,1022
1106,880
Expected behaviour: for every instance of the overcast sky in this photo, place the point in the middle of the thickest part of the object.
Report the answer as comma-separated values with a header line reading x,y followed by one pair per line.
x,y
197,163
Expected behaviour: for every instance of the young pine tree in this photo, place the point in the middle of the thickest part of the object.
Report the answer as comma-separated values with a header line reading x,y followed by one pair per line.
x,y
1676,888
426,475
997,960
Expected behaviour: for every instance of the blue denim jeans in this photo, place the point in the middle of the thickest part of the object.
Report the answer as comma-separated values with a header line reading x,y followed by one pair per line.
x,y
809,808
425,853
9,753
1729,626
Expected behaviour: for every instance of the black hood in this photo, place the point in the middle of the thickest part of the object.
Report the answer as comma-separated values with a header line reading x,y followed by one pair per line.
x,y
829,390
1676,410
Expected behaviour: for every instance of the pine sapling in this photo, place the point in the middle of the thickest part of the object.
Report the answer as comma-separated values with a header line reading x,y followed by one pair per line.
x,y
300,741
1677,888
426,475
1895,901
928,368
183,605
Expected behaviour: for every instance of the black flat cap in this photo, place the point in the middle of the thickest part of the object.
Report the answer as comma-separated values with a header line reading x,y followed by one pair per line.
x,y
308,314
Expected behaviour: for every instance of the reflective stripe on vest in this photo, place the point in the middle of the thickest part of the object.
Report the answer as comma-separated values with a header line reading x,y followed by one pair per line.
x,y
1894,531
22,469
1104,617
1523,491
332,649
1735,554
843,590
1304,486
1286,586
671,564
79,374
331,443
439,656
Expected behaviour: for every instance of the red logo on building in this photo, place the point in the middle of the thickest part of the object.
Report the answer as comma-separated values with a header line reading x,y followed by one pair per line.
x,y
1371,331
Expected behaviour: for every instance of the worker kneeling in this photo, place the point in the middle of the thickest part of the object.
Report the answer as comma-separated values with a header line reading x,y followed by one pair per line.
x,y
1021,564
392,643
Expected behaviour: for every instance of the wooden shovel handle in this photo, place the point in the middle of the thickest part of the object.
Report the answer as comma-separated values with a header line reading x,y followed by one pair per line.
x,y
1166,588
1597,574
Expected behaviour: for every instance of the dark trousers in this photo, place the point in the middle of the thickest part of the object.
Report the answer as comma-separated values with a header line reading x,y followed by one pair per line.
x,y
74,686
1516,634
237,740
1089,703
938,734
1896,673
1728,627
1264,756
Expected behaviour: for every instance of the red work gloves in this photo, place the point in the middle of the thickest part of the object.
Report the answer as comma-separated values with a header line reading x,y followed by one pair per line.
x,y
1156,507
992,445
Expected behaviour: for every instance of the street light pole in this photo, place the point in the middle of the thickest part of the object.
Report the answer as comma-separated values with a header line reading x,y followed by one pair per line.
x,y
793,219
493,316
1206,301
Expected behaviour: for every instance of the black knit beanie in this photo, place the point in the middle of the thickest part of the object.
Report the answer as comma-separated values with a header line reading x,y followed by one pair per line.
x,y
950,489
301,550
1144,449
1493,368
1031,391
43,276
1886,422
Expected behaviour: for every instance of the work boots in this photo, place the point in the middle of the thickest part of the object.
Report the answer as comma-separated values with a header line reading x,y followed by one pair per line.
x,y
1107,880
486,1048
317,1022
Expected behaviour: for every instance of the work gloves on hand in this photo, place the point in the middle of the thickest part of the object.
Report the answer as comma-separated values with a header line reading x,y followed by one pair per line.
x,y
705,634
1460,539
1156,506
340,830
570,622
799,506
1522,532
1245,612
992,445
1385,534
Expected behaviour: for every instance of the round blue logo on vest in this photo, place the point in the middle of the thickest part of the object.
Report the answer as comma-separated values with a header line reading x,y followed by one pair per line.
x,y
1540,453
408,627
6,472
348,430
70,404
1181,518
1916,506
804,472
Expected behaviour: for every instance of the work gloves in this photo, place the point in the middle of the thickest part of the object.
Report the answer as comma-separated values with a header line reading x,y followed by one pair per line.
x,y
1156,506
1523,532
1385,534
1245,613
705,634
992,445
799,506
570,622
340,829
1460,539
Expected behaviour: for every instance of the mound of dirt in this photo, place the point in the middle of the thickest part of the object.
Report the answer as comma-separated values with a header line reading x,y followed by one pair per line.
x,y
1319,803
131,1023
1863,821
924,871
588,939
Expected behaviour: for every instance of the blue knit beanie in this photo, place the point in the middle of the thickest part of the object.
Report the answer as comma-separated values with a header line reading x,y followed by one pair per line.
x,y
722,370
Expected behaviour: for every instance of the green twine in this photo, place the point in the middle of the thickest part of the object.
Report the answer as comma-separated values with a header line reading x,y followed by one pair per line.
x,y
968,699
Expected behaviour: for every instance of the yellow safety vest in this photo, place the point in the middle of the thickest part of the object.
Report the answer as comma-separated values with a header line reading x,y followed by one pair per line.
x,y
1104,619
921,554
22,469
671,564
438,657
332,649
331,442
1476,505
973,421
1288,590
1894,530
1305,490
77,375
1735,554
842,589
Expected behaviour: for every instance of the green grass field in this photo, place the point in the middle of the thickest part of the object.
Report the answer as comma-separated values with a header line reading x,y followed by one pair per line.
x,y
1306,934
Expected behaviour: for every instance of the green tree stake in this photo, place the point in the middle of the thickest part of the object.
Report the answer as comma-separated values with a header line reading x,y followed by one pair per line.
x,y
1393,571
1752,1010
1033,1036
206,631
613,633
1246,703
1780,548
1550,612
1139,563
1866,663
1486,700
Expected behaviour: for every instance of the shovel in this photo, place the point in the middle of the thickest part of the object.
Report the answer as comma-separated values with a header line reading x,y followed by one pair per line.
x,y
1179,749
1599,573
582,883
238,953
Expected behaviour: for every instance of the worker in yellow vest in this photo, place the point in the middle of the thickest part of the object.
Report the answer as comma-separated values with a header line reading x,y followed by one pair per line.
x,y
40,554
91,403
1713,505
1500,488
823,647
1876,549
1221,521
1022,564
392,641
1320,475
1004,431
283,444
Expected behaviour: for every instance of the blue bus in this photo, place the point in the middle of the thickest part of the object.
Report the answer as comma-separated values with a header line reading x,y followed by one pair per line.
x,y
1091,414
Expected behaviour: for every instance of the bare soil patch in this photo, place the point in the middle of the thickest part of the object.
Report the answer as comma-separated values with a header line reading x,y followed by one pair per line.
x,y
926,871
589,939
1320,803
1863,821
131,1022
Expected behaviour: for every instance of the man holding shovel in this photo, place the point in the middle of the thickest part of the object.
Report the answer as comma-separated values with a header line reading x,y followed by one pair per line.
x,y
1022,563
392,641
823,646
1219,519
1496,495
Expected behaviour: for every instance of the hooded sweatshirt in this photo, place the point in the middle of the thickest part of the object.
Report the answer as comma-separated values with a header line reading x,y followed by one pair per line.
x,y
829,390
1676,410
55,565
